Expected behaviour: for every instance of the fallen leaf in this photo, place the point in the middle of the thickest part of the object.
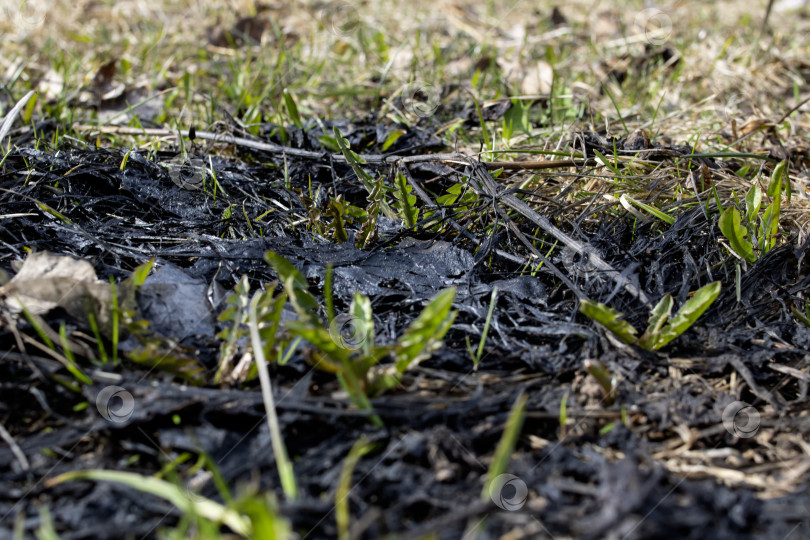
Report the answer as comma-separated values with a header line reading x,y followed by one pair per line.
x,y
47,281
754,124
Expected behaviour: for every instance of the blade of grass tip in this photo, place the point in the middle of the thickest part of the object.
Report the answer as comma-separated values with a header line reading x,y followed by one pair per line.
x,y
615,106
102,351
284,356
694,148
358,450
37,323
484,130
285,469
198,505
607,162
8,121
666,218
116,312
799,315
503,453
327,292
492,302
216,474
19,527
46,531
65,342
36,326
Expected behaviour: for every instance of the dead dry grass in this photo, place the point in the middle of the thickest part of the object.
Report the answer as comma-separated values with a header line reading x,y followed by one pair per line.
x,y
700,74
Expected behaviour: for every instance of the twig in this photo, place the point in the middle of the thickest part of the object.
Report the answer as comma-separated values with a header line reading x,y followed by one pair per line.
x,y
486,184
490,188
767,16
15,449
791,111
534,165
371,159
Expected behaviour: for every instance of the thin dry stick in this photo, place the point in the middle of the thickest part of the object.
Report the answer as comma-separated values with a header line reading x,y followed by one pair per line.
x,y
486,184
791,111
15,449
490,188
372,159
534,165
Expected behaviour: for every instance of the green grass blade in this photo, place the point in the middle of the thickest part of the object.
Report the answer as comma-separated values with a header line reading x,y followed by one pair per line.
x,y
296,286
393,136
607,163
777,177
406,202
805,318
610,319
358,450
689,313
503,452
753,202
292,109
659,316
285,469
492,301
666,218
179,497
425,333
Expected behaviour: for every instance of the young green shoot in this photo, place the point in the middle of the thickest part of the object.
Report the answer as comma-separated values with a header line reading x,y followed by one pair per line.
x,y
752,235
358,450
660,329
197,505
503,452
492,301
563,415
607,381
355,358
803,317
285,469
628,203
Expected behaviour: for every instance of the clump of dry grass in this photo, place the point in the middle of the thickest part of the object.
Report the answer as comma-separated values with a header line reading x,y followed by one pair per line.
x,y
702,75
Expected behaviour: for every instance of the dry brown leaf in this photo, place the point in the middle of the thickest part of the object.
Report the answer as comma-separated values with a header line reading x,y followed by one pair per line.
x,y
47,281
538,79
754,124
